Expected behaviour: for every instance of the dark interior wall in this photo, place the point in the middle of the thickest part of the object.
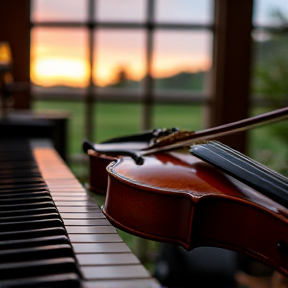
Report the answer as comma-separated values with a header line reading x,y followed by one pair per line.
x,y
15,29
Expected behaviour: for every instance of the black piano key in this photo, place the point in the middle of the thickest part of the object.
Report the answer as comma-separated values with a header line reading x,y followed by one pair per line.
x,y
19,175
18,165
26,225
23,200
26,206
69,280
29,217
36,253
32,233
20,181
38,268
38,188
24,194
33,242
14,186
27,212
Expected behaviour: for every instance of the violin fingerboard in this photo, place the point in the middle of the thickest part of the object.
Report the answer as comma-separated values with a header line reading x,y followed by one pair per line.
x,y
248,171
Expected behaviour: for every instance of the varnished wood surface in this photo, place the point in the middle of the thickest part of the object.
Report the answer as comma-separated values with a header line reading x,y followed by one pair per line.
x,y
175,197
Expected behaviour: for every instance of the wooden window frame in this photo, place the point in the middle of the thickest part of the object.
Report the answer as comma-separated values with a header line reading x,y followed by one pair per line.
x,y
230,99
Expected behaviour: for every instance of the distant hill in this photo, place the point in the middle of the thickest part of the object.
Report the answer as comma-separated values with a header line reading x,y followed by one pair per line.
x,y
181,81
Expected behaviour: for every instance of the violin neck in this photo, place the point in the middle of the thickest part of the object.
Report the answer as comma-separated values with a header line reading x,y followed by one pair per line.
x,y
244,169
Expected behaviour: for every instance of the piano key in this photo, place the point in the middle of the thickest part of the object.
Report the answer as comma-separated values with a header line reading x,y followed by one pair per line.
x,y
40,187
32,233
84,215
36,253
26,206
86,222
34,242
15,187
83,209
19,181
100,247
90,245
23,200
95,238
127,283
25,212
114,272
90,229
75,203
37,268
22,225
29,217
70,198
68,280
23,194
107,259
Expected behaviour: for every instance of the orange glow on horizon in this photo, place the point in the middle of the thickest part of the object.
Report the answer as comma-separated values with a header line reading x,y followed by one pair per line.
x,y
59,71
55,71
60,57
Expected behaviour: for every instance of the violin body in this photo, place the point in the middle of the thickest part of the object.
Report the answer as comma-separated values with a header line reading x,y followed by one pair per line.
x,y
177,198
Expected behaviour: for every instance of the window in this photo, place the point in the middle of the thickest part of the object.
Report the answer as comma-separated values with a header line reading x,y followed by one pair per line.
x,y
121,66
269,80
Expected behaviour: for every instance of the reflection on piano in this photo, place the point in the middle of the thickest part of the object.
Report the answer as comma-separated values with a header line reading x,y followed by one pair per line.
x,y
52,234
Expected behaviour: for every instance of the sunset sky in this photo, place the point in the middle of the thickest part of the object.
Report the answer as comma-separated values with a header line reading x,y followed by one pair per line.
x,y
59,56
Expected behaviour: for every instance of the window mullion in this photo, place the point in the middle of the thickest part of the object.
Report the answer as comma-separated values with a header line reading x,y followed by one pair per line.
x,y
148,83
89,101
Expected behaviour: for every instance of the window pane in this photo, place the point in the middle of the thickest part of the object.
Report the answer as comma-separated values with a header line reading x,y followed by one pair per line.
x,y
115,10
116,120
59,57
184,11
55,10
270,70
270,12
181,60
268,144
119,59
187,117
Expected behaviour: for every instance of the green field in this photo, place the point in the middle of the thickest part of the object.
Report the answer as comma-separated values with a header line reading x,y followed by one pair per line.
x,y
111,120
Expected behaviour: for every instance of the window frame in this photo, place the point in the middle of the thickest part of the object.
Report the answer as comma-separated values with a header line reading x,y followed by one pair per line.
x,y
147,98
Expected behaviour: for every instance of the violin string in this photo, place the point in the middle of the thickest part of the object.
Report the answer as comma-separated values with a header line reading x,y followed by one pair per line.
x,y
278,177
243,171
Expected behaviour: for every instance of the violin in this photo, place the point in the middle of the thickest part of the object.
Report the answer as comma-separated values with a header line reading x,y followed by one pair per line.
x,y
149,142
166,194
178,198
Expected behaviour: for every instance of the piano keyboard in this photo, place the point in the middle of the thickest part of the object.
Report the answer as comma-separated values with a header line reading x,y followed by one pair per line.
x,y
52,234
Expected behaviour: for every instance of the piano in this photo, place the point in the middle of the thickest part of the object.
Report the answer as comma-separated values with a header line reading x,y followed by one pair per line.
x,y
52,233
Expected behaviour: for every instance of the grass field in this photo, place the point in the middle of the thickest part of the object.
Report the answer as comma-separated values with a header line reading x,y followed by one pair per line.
x,y
111,120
